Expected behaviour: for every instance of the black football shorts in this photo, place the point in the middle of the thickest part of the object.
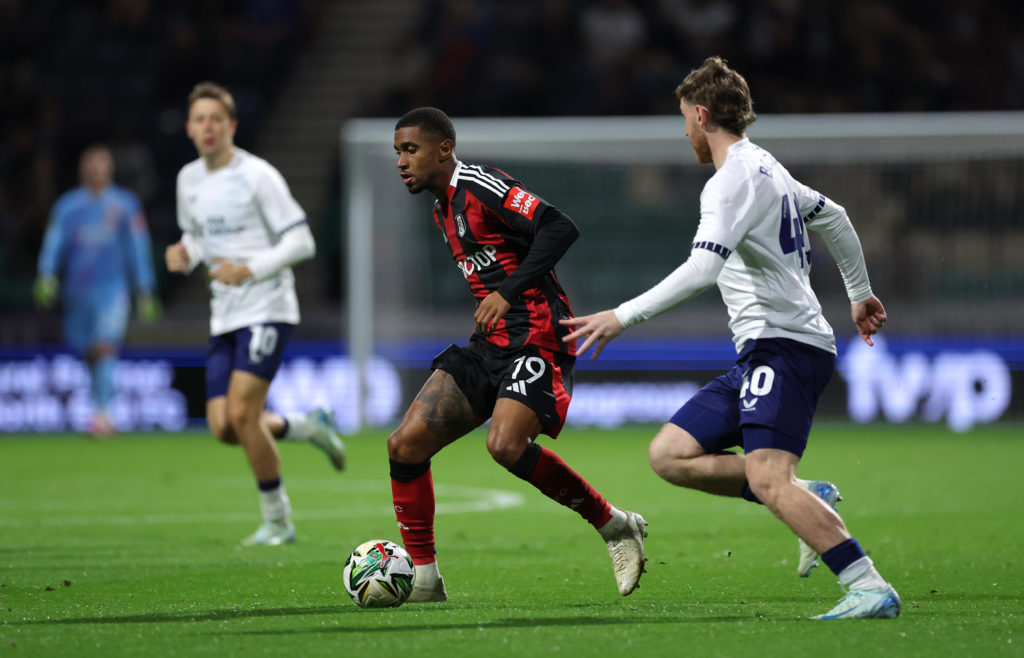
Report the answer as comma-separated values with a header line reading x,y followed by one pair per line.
x,y
539,378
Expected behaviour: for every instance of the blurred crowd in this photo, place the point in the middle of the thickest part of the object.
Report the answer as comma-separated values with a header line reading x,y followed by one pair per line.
x,y
76,72
625,57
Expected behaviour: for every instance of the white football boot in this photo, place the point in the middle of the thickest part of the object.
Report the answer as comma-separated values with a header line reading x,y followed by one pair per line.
x,y
866,604
424,595
627,552
325,436
427,585
272,533
808,556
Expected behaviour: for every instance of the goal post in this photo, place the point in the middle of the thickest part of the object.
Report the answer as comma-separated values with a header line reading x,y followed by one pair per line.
x,y
936,199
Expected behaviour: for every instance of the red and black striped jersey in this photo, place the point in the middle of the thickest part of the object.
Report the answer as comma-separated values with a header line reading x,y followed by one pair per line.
x,y
492,225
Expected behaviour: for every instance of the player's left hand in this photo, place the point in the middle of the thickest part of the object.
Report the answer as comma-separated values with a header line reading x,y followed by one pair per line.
x,y
490,311
229,273
869,316
44,290
598,328
149,307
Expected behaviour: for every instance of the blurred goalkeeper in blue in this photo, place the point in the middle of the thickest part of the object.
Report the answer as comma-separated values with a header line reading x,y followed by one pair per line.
x,y
96,251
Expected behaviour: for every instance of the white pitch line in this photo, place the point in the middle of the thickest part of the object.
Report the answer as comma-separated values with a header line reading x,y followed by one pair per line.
x,y
477,500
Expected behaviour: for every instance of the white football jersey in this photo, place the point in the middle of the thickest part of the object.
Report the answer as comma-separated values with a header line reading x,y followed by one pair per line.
x,y
236,213
755,214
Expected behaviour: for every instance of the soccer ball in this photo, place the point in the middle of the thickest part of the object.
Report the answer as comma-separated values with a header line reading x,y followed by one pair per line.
x,y
378,574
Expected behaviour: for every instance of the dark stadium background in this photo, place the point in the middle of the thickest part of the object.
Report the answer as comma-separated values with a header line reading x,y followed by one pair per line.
x,y
73,73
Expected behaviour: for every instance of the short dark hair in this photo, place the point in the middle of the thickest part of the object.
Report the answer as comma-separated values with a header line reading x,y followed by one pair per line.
x,y
722,91
428,119
217,93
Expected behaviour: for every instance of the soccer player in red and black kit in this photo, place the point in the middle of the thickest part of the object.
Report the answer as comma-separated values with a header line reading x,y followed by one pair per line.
x,y
515,370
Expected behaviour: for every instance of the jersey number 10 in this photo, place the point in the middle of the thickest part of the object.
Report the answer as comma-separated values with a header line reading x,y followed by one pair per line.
x,y
792,235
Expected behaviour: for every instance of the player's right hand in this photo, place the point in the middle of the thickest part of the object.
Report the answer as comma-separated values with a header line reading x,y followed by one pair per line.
x,y
869,316
599,329
176,257
44,290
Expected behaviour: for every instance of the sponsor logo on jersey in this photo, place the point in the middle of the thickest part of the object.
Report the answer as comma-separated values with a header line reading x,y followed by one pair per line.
x,y
478,260
220,226
522,202
460,224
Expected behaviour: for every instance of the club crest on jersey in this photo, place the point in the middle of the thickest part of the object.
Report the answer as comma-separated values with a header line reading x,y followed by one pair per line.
x,y
460,224
522,202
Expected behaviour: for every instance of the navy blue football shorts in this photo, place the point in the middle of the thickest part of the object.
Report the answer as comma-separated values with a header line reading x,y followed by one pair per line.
x,y
766,400
257,349
539,378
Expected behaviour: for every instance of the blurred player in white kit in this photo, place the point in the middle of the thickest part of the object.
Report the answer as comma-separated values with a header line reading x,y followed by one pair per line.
x,y
238,217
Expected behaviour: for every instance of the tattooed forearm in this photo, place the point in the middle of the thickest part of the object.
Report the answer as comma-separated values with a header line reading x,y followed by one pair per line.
x,y
445,410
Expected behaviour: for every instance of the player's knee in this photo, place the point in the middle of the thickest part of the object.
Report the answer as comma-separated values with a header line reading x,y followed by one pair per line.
x,y
765,485
667,462
241,418
403,447
767,476
505,451
659,457
222,431
396,446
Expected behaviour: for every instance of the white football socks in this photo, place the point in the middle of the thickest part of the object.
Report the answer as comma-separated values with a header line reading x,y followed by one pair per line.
x,y
275,505
428,576
862,574
300,427
615,524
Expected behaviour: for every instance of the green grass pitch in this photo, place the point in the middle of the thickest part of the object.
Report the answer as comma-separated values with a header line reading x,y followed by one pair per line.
x,y
130,548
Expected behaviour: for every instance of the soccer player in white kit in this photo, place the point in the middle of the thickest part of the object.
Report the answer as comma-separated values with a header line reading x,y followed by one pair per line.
x,y
239,218
752,241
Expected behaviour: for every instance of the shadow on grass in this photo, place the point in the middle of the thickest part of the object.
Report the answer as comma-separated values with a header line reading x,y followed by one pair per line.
x,y
391,626
522,622
209,615
395,622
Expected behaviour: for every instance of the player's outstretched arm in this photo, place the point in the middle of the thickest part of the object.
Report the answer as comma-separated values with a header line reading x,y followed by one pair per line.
x,y
598,329
869,316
